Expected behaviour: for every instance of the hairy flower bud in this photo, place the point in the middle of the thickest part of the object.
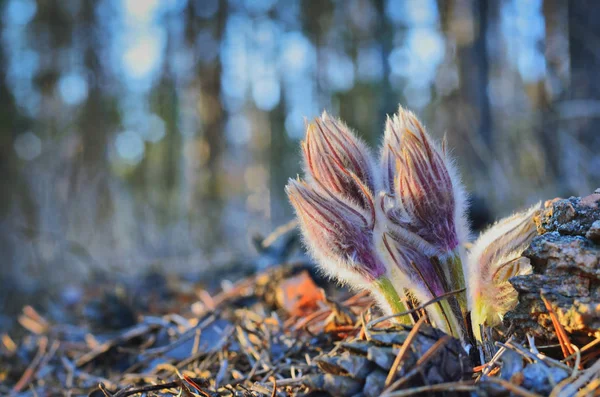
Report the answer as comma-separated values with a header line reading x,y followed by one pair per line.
x,y
425,195
336,159
427,191
494,258
337,232
417,271
389,162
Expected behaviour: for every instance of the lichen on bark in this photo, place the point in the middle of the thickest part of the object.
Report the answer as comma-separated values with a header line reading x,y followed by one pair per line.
x,y
565,258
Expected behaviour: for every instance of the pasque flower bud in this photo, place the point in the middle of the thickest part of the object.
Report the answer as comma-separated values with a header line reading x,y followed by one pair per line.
x,y
426,195
494,258
340,162
337,231
391,244
425,185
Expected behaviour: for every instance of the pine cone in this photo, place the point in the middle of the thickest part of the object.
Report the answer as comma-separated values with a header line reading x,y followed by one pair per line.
x,y
360,367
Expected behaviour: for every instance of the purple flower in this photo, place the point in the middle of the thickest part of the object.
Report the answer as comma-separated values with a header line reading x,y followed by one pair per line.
x,y
424,197
428,196
339,162
337,231
404,244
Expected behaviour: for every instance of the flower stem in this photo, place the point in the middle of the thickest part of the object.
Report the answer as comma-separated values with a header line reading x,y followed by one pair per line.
x,y
451,317
453,263
393,299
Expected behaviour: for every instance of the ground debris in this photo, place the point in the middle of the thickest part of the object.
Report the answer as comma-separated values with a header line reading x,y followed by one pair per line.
x,y
183,340
423,356
262,336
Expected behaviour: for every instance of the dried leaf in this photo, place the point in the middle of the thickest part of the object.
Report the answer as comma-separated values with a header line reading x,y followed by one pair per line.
x,y
299,295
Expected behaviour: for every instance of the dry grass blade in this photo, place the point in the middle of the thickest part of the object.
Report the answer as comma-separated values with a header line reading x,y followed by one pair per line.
x,y
487,367
422,361
356,298
450,387
563,338
591,389
130,390
587,352
33,321
541,357
577,364
195,385
105,347
310,318
8,343
570,388
519,391
278,233
33,366
402,353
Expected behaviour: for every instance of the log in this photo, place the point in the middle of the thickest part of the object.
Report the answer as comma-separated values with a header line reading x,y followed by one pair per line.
x,y
565,258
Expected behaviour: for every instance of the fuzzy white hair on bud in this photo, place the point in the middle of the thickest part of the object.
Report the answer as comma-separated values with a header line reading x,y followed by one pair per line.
x,y
494,258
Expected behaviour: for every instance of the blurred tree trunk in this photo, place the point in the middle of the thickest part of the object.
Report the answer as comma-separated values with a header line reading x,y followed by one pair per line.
x,y
11,124
279,171
474,73
164,102
11,184
212,116
584,50
467,22
97,120
484,10
366,105
385,34
557,58
467,110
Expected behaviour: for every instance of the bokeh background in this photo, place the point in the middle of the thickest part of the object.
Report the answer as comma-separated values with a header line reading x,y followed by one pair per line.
x,y
159,134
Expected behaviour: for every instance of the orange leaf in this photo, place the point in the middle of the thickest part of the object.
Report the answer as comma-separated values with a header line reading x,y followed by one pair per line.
x,y
299,295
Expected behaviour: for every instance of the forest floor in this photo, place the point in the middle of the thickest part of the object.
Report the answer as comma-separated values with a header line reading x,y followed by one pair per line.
x,y
286,331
